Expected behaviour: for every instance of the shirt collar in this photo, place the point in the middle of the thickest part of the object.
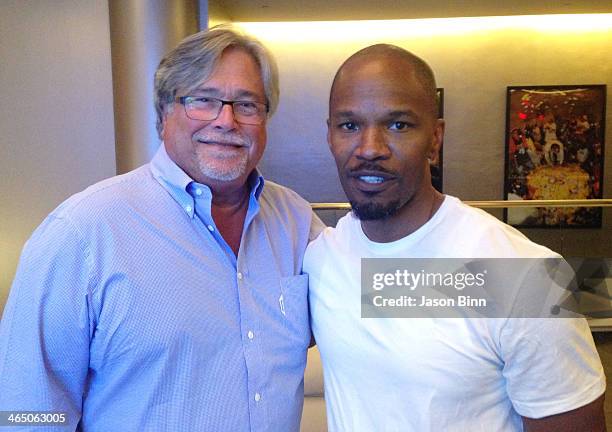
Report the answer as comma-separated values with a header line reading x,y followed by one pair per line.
x,y
164,169
177,182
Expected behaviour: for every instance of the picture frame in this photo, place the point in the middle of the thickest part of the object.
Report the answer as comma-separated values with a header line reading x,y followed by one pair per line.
x,y
554,150
435,166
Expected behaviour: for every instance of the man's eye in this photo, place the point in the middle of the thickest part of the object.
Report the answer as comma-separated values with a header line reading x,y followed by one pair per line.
x,y
246,105
202,102
348,126
399,125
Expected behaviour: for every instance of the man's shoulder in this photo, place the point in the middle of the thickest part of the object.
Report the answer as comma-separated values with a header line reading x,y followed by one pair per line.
x,y
86,210
106,195
282,197
487,235
338,240
285,209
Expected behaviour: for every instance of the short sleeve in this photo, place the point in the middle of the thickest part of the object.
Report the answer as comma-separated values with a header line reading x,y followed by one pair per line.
x,y
551,365
46,327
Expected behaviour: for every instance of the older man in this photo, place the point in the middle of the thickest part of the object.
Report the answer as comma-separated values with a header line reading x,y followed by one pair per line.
x,y
428,374
171,298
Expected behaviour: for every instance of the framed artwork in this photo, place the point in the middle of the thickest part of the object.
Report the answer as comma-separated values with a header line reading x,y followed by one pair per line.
x,y
554,150
435,167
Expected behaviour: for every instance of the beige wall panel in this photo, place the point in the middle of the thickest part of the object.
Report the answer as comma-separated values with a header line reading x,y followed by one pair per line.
x,y
56,116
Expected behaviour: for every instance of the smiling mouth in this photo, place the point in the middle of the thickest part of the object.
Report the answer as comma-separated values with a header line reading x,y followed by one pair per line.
x,y
222,143
371,179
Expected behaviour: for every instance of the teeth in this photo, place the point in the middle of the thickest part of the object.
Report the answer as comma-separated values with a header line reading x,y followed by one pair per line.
x,y
371,179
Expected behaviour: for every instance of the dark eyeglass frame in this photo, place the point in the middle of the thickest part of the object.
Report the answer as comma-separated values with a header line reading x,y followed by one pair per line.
x,y
256,119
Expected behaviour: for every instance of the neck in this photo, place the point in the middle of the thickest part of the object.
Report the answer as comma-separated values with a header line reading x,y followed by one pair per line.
x,y
229,212
412,216
229,198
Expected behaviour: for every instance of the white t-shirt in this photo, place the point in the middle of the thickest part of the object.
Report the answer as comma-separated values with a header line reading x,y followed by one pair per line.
x,y
400,374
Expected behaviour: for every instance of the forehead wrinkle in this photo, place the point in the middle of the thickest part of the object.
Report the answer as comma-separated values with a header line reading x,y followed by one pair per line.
x,y
365,84
240,93
209,90
344,113
246,94
351,99
388,114
399,113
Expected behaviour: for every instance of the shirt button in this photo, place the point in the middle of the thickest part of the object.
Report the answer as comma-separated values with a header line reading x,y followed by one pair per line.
x,y
239,276
210,228
188,209
250,334
257,397
198,192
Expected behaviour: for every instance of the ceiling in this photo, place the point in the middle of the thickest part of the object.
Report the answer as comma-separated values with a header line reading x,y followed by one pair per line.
x,y
338,10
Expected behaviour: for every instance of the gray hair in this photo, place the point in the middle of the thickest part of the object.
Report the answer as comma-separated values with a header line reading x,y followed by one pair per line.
x,y
194,59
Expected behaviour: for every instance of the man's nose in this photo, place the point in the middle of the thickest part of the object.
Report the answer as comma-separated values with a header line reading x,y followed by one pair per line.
x,y
373,144
225,120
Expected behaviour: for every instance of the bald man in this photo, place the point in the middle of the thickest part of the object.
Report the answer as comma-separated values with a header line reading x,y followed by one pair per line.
x,y
428,374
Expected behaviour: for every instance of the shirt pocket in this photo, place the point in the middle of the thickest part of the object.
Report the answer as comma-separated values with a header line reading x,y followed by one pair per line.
x,y
293,304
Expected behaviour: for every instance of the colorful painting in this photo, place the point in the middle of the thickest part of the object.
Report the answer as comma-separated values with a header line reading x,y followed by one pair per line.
x,y
555,151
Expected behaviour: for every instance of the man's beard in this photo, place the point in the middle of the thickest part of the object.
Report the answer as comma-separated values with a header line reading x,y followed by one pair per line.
x,y
220,168
224,172
373,211
369,210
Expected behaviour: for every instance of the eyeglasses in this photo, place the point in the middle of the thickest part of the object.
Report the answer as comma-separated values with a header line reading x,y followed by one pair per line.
x,y
208,108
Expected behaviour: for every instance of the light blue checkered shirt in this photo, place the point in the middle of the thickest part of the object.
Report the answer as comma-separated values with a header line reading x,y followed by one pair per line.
x,y
129,311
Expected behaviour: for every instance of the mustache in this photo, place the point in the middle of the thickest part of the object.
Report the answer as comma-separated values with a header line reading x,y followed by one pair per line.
x,y
229,138
370,166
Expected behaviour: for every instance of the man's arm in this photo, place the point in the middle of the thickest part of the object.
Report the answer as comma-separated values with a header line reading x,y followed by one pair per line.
x,y
46,327
586,418
554,376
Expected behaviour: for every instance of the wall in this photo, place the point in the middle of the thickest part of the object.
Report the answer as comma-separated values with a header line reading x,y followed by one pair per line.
x,y
142,32
474,60
56,117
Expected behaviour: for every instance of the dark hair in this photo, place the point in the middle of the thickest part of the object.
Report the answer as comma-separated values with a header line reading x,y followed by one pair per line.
x,y
421,69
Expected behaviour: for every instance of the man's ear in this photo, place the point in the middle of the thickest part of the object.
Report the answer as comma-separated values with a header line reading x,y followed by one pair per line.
x,y
164,122
436,142
328,133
